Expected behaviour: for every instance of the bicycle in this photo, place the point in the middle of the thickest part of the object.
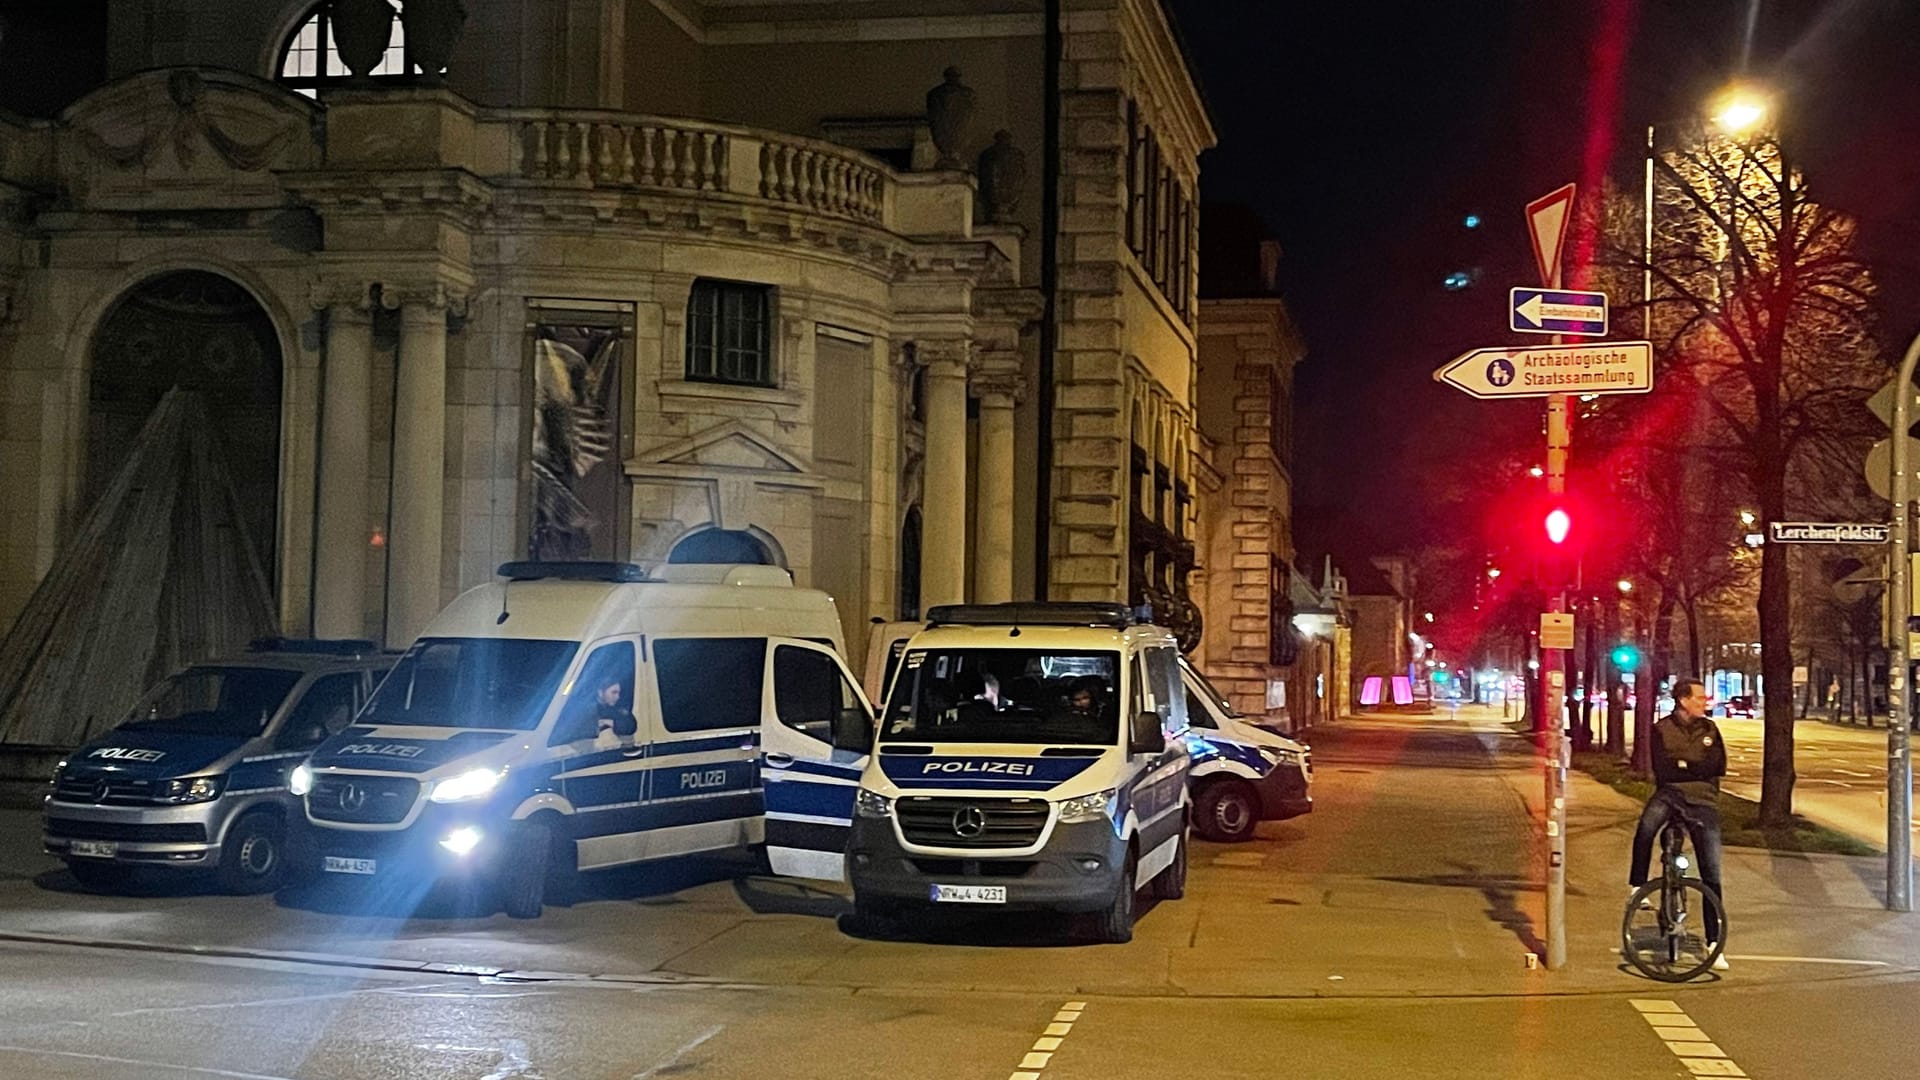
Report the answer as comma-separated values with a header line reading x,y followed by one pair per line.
x,y
1665,932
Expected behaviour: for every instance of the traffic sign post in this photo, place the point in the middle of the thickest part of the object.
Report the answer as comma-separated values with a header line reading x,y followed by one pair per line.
x,y
1615,367
1557,311
1899,760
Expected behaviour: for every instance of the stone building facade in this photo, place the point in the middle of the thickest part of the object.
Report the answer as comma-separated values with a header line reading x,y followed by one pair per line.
x,y
1254,650
633,279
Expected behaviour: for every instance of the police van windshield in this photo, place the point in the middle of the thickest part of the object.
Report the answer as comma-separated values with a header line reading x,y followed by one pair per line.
x,y
231,701
1005,696
495,683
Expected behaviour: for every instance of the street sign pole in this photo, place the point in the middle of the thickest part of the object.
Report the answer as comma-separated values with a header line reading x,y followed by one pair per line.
x,y
1547,220
1899,761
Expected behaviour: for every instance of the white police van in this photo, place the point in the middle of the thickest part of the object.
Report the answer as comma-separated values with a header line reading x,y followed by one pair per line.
x,y
1029,756
1242,773
195,777
584,715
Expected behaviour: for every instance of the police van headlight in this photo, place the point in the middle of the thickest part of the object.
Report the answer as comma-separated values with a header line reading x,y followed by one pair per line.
x,y
193,789
301,781
1095,807
872,804
1283,756
472,784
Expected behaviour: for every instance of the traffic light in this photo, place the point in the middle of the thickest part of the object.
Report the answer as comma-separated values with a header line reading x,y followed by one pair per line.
x,y
1559,525
1626,657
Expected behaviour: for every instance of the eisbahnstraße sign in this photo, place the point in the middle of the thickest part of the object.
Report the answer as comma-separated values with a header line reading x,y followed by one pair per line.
x,y
1613,367
1827,532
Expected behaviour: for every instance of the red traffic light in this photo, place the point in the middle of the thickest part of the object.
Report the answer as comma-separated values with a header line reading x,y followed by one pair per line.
x,y
1559,525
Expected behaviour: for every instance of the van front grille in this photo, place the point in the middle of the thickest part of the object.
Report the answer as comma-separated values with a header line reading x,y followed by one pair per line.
x,y
958,822
362,800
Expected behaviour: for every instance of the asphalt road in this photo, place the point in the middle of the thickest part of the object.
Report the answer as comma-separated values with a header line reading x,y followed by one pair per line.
x,y
1842,773
1380,937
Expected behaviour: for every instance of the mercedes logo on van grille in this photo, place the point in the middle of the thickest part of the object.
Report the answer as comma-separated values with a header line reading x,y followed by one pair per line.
x,y
969,822
352,797
99,792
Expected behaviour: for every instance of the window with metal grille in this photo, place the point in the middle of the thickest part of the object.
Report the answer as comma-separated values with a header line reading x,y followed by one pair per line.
x,y
310,60
729,333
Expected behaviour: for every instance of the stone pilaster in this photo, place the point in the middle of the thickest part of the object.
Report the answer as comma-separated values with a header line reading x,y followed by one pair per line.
x,y
943,552
997,388
419,461
340,526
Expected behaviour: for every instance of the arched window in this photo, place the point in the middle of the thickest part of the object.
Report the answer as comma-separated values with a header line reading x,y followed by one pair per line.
x,y
311,60
721,546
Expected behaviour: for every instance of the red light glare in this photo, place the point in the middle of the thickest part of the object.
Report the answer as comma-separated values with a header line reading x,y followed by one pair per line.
x,y
1558,525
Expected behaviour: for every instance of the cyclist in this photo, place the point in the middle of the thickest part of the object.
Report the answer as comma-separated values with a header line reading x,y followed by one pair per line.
x,y
1688,761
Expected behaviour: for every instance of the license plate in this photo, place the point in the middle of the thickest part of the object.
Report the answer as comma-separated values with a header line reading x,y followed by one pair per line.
x,y
94,849
968,894
334,864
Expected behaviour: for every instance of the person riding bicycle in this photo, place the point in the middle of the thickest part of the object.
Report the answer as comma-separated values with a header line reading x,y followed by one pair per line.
x,y
1689,759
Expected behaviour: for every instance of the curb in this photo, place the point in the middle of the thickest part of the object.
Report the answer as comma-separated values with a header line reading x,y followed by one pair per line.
x,y
376,963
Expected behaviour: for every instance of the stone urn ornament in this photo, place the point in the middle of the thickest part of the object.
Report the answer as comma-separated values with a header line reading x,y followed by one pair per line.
x,y
949,110
433,29
1003,174
361,31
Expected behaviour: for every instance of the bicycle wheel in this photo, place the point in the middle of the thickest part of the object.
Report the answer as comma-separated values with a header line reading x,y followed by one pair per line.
x,y
1664,935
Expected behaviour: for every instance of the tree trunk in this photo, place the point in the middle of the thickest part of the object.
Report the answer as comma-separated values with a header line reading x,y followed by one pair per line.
x,y
1649,695
1583,734
1776,656
1695,658
1616,686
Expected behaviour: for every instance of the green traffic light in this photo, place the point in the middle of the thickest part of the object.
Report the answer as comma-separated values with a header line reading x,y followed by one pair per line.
x,y
1626,657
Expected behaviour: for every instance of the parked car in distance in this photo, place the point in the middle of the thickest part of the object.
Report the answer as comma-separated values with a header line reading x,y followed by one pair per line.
x,y
195,778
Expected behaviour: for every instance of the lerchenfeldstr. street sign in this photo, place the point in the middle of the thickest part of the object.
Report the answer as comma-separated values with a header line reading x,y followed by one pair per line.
x,y
1614,367
1827,532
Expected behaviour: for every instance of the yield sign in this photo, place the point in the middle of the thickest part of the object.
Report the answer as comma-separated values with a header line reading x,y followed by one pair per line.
x,y
1547,220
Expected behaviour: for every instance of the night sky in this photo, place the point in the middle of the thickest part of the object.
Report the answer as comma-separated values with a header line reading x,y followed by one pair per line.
x,y
1365,133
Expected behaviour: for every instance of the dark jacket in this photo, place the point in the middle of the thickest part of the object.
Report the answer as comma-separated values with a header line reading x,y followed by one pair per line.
x,y
1689,757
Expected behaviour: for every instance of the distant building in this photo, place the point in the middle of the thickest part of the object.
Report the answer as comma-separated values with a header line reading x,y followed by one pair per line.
x,y
1255,649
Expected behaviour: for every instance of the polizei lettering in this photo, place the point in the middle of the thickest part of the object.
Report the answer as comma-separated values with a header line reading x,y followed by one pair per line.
x,y
388,749
121,753
1003,768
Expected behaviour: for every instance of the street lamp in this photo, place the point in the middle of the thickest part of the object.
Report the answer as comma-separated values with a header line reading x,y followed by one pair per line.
x,y
1493,573
1740,109
1626,586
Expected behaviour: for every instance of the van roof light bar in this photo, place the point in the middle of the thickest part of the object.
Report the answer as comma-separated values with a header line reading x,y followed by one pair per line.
x,y
539,570
1117,616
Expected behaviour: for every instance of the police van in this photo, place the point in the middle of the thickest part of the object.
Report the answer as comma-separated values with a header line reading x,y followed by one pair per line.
x,y
576,716
1242,773
1029,756
196,776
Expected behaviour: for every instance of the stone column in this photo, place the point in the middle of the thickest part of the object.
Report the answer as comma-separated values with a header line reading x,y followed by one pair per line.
x,y
419,465
340,526
943,549
997,392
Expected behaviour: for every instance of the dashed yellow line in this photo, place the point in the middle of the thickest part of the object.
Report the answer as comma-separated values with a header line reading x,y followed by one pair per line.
x,y
1694,1048
1049,1041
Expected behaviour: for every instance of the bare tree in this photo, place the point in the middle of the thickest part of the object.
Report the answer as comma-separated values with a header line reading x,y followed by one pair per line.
x,y
1760,310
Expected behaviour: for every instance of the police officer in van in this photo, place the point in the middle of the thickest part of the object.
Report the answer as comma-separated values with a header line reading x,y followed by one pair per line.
x,y
613,722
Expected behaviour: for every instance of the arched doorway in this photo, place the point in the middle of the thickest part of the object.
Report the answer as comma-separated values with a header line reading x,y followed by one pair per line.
x,y
910,565
205,333
729,546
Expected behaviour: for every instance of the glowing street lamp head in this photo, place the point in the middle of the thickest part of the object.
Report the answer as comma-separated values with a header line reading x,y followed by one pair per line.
x,y
1626,585
1740,109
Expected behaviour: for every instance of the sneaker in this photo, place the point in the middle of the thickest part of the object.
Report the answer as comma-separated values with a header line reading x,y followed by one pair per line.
x,y
1720,963
1646,902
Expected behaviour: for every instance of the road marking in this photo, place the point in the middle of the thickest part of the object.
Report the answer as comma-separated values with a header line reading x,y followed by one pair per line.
x,y
1048,1043
1682,1036
1805,960
686,1048
194,1069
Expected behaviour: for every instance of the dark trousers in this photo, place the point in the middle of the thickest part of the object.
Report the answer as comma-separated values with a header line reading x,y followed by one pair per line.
x,y
1703,830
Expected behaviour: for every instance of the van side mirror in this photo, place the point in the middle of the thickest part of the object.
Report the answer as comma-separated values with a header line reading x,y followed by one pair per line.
x,y
1146,735
853,731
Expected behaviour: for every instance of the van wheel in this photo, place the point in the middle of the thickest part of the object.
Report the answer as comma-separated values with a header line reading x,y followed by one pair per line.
x,y
1171,883
254,857
1115,925
100,877
523,881
1227,811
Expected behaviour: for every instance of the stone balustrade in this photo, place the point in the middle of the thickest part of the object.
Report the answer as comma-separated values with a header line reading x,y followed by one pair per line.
x,y
624,151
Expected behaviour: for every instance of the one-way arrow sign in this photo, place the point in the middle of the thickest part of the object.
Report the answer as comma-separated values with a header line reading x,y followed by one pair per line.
x,y
1615,367
1557,311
